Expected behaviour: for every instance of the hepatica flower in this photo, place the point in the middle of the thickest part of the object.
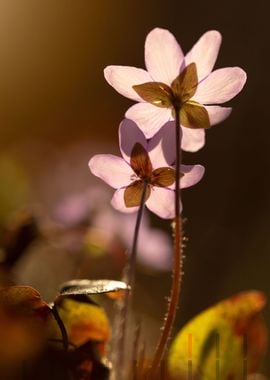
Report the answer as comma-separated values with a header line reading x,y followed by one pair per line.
x,y
173,80
154,245
145,164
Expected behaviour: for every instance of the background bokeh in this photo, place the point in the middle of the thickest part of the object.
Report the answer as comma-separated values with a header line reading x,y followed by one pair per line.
x,y
56,111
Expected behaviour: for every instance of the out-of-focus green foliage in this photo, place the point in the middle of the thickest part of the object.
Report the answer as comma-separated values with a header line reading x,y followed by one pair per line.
x,y
14,189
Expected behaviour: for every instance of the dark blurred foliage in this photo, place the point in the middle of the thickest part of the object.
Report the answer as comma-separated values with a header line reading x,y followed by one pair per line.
x,y
41,341
56,110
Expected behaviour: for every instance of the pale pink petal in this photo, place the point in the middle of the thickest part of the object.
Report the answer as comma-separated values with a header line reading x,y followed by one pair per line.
x,y
108,219
149,118
122,78
193,174
119,204
161,202
73,209
112,169
192,139
163,56
220,86
204,53
217,114
129,135
155,249
161,146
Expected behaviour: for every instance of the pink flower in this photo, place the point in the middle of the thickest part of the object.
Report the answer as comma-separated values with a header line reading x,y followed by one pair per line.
x,y
166,64
144,161
154,245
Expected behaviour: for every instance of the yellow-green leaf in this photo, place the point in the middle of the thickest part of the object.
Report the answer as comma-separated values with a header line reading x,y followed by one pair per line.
x,y
84,321
227,339
156,93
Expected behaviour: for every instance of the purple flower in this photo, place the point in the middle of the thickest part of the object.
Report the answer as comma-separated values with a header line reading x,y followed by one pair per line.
x,y
171,77
143,162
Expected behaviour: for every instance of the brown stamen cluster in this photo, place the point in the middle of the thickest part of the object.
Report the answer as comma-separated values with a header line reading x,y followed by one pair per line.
x,y
145,176
178,97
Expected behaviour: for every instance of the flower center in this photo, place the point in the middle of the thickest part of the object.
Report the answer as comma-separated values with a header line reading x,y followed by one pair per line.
x,y
142,166
144,174
178,97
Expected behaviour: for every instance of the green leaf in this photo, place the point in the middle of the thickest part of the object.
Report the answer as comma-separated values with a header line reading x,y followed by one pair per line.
x,y
156,93
220,339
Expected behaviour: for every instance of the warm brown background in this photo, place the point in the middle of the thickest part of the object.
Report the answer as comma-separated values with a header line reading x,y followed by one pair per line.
x,y
52,91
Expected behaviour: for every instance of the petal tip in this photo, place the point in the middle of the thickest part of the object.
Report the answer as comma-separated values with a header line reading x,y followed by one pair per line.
x,y
91,163
157,34
158,30
107,73
193,175
242,77
201,169
214,34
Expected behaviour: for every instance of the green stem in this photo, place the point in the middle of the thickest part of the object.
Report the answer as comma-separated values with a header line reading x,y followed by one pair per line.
x,y
177,265
130,280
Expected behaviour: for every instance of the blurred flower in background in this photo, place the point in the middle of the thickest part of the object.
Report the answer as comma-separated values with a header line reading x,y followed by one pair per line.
x,y
154,249
80,234
108,227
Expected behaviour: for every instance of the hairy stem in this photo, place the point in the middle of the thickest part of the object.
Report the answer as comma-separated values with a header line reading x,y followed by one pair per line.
x,y
177,265
130,280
